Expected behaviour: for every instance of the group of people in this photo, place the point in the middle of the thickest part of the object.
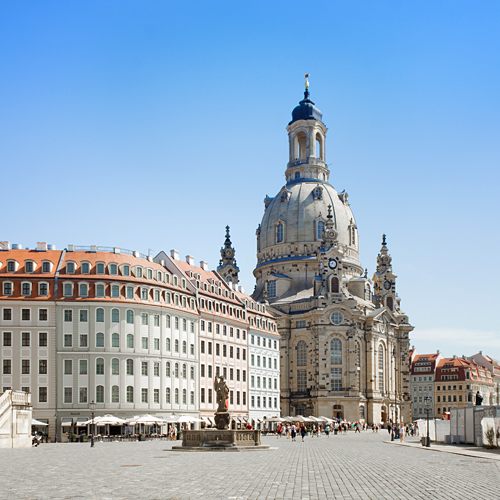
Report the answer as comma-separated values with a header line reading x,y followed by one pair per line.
x,y
290,430
400,430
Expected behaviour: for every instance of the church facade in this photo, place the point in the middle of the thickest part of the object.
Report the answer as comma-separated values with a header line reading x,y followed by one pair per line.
x,y
344,338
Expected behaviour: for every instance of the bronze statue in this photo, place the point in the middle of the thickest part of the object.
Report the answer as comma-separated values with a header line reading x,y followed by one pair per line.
x,y
222,392
222,414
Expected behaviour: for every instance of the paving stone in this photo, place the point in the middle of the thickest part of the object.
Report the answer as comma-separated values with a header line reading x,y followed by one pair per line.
x,y
354,466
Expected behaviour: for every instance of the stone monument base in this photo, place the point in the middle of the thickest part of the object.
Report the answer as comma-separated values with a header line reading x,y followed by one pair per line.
x,y
221,440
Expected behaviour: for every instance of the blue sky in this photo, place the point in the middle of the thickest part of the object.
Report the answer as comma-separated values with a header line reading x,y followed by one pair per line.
x,y
152,125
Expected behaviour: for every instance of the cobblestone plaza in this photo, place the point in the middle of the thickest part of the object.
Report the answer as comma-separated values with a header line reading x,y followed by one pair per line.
x,y
353,466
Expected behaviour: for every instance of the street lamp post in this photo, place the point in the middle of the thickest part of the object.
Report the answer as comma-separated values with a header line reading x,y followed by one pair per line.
x,y
395,419
428,410
92,409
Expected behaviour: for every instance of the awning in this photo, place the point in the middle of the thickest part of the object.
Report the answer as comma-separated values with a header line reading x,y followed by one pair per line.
x,y
81,421
36,422
212,421
66,422
206,420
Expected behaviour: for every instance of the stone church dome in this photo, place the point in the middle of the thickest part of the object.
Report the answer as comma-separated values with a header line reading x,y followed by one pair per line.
x,y
304,211
301,207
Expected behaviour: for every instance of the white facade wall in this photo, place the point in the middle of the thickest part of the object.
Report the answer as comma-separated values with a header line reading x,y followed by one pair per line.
x,y
264,372
422,386
161,367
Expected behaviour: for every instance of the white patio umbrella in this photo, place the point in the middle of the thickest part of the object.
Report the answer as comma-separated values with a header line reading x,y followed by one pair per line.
x,y
147,420
187,419
299,418
36,422
275,419
106,420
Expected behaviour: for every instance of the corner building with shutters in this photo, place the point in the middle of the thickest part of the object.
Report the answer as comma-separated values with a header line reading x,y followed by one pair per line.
x,y
344,338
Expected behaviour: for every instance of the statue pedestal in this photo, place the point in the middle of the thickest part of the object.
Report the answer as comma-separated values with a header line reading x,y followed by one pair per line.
x,y
221,440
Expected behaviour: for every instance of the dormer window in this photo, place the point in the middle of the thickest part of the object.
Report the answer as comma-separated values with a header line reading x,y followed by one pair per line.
x,y
46,266
150,274
11,266
126,270
26,288
85,268
43,289
28,266
113,269
100,268
159,276
70,267
183,283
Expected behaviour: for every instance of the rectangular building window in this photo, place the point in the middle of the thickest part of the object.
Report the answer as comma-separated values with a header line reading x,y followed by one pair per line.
x,y
25,339
144,395
144,318
7,339
42,339
83,394
144,367
7,367
25,366
156,395
83,367
42,394
68,315
25,314
7,314
68,395
42,367
68,367
336,379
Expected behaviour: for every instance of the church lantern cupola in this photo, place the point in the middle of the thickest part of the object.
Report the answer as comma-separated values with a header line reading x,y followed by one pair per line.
x,y
306,136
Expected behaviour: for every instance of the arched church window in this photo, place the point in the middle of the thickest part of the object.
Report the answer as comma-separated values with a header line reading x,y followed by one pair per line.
x,y
368,295
381,368
390,303
335,285
318,149
271,288
302,353
336,352
279,233
353,236
321,228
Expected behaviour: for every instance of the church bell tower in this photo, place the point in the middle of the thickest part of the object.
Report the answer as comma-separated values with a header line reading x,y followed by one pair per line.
x,y
227,267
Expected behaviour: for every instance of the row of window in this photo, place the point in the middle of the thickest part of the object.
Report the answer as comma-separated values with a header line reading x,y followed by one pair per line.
x,y
209,327
129,318
209,398
264,385
255,339
43,314
264,365
269,402
25,367
7,339
29,266
129,395
209,372
42,392
224,350
130,344
175,370
129,292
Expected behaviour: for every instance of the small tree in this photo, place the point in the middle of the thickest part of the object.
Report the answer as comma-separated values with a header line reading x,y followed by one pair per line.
x,y
490,437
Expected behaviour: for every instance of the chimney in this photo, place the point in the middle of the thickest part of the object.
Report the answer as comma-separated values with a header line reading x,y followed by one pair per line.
x,y
438,351
174,254
41,246
4,245
454,356
204,265
480,352
241,289
190,260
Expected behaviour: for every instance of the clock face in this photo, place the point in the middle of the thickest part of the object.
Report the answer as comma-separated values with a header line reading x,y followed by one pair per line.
x,y
332,263
387,285
228,253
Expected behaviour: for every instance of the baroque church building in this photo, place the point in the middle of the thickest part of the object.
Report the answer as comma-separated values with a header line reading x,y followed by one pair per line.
x,y
344,337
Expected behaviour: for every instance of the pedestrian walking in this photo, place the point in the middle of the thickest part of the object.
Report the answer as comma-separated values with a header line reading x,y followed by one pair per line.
x,y
294,432
303,431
